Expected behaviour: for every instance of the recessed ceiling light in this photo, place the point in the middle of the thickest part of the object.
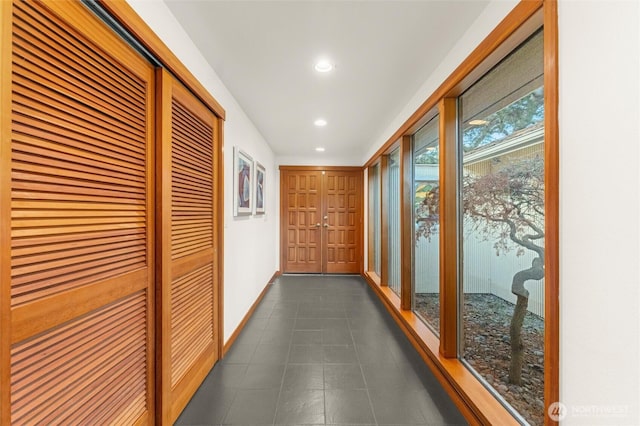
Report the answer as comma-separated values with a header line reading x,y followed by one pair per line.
x,y
320,149
478,122
323,66
320,122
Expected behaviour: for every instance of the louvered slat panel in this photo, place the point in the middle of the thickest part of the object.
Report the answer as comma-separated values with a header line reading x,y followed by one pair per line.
x,y
191,319
78,161
192,183
88,371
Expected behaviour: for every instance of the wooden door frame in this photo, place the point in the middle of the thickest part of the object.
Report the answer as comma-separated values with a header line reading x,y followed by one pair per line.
x,y
283,207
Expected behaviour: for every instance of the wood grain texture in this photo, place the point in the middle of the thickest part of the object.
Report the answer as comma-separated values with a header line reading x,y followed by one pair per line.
x,y
448,228
95,225
407,227
301,220
80,299
342,242
321,219
90,370
5,210
187,304
551,203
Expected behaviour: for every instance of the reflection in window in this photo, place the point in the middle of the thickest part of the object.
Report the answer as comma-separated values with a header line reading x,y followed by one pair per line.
x,y
502,206
426,177
393,220
374,218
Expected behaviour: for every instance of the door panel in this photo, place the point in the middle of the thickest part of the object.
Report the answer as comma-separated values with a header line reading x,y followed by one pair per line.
x,y
343,211
76,190
302,198
188,286
321,226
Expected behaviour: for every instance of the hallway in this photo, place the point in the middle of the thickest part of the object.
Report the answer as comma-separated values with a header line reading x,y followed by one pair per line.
x,y
321,350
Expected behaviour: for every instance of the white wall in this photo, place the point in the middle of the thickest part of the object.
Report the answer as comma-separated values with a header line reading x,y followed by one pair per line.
x,y
250,243
599,215
599,44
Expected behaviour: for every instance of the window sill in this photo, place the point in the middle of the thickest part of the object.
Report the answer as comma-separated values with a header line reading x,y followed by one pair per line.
x,y
473,400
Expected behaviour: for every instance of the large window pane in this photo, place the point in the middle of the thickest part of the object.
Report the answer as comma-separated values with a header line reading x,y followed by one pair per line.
x,y
393,219
502,215
374,218
426,200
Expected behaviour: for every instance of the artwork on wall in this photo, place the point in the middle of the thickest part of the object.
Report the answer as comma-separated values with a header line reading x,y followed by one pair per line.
x,y
242,180
259,188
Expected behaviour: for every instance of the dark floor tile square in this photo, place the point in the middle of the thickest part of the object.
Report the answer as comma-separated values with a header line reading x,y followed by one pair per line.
x,y
339,354
343,376
248,337
240,353
209,404
336,337
386,376
270,354
263,376
335,324
303,376
280,324
397,406
252,407
300,407
306,337
306,354
226,374
348,406
276,337
284,313
308,324
374,354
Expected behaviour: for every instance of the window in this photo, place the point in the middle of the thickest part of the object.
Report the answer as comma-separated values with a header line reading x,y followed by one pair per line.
x,y
374,219
469,227
426,200
393,221
502,229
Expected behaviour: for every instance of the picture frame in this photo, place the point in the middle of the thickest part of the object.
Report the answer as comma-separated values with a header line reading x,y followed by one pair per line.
x,y
259,189
243,176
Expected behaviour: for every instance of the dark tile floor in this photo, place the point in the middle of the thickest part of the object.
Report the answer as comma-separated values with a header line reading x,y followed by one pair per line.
x,y
321,350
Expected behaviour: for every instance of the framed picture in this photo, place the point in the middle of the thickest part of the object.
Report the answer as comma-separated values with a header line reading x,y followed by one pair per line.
x,y
242,181
259,188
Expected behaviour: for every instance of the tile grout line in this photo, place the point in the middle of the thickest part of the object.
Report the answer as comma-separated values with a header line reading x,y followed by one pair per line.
x,y
286,364
366,387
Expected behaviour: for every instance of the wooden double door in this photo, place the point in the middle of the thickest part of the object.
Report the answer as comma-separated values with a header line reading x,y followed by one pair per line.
x,y
321,219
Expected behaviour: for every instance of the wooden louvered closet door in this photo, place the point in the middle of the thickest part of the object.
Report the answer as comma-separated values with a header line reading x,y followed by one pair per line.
x,y
188,166
76,220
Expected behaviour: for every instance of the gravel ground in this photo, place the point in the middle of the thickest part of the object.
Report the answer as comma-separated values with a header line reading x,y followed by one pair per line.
x,y
487,348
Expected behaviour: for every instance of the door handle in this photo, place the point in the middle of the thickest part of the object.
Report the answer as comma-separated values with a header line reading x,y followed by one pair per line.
x,y
318,225
326,225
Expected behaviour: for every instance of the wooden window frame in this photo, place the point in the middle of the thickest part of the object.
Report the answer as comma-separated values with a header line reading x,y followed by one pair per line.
x,y
370,266
476,403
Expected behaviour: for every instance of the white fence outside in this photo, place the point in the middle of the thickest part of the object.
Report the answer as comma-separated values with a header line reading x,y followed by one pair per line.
x,y
484,272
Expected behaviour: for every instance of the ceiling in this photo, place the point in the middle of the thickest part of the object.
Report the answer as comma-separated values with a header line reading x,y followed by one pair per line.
x,y
265,52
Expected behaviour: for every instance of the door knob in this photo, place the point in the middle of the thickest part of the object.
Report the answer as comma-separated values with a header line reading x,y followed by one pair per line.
x,y
326,225
318,224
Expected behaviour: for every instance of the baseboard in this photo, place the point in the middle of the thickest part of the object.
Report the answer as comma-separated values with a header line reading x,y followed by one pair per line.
x,y
275,275
248,315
